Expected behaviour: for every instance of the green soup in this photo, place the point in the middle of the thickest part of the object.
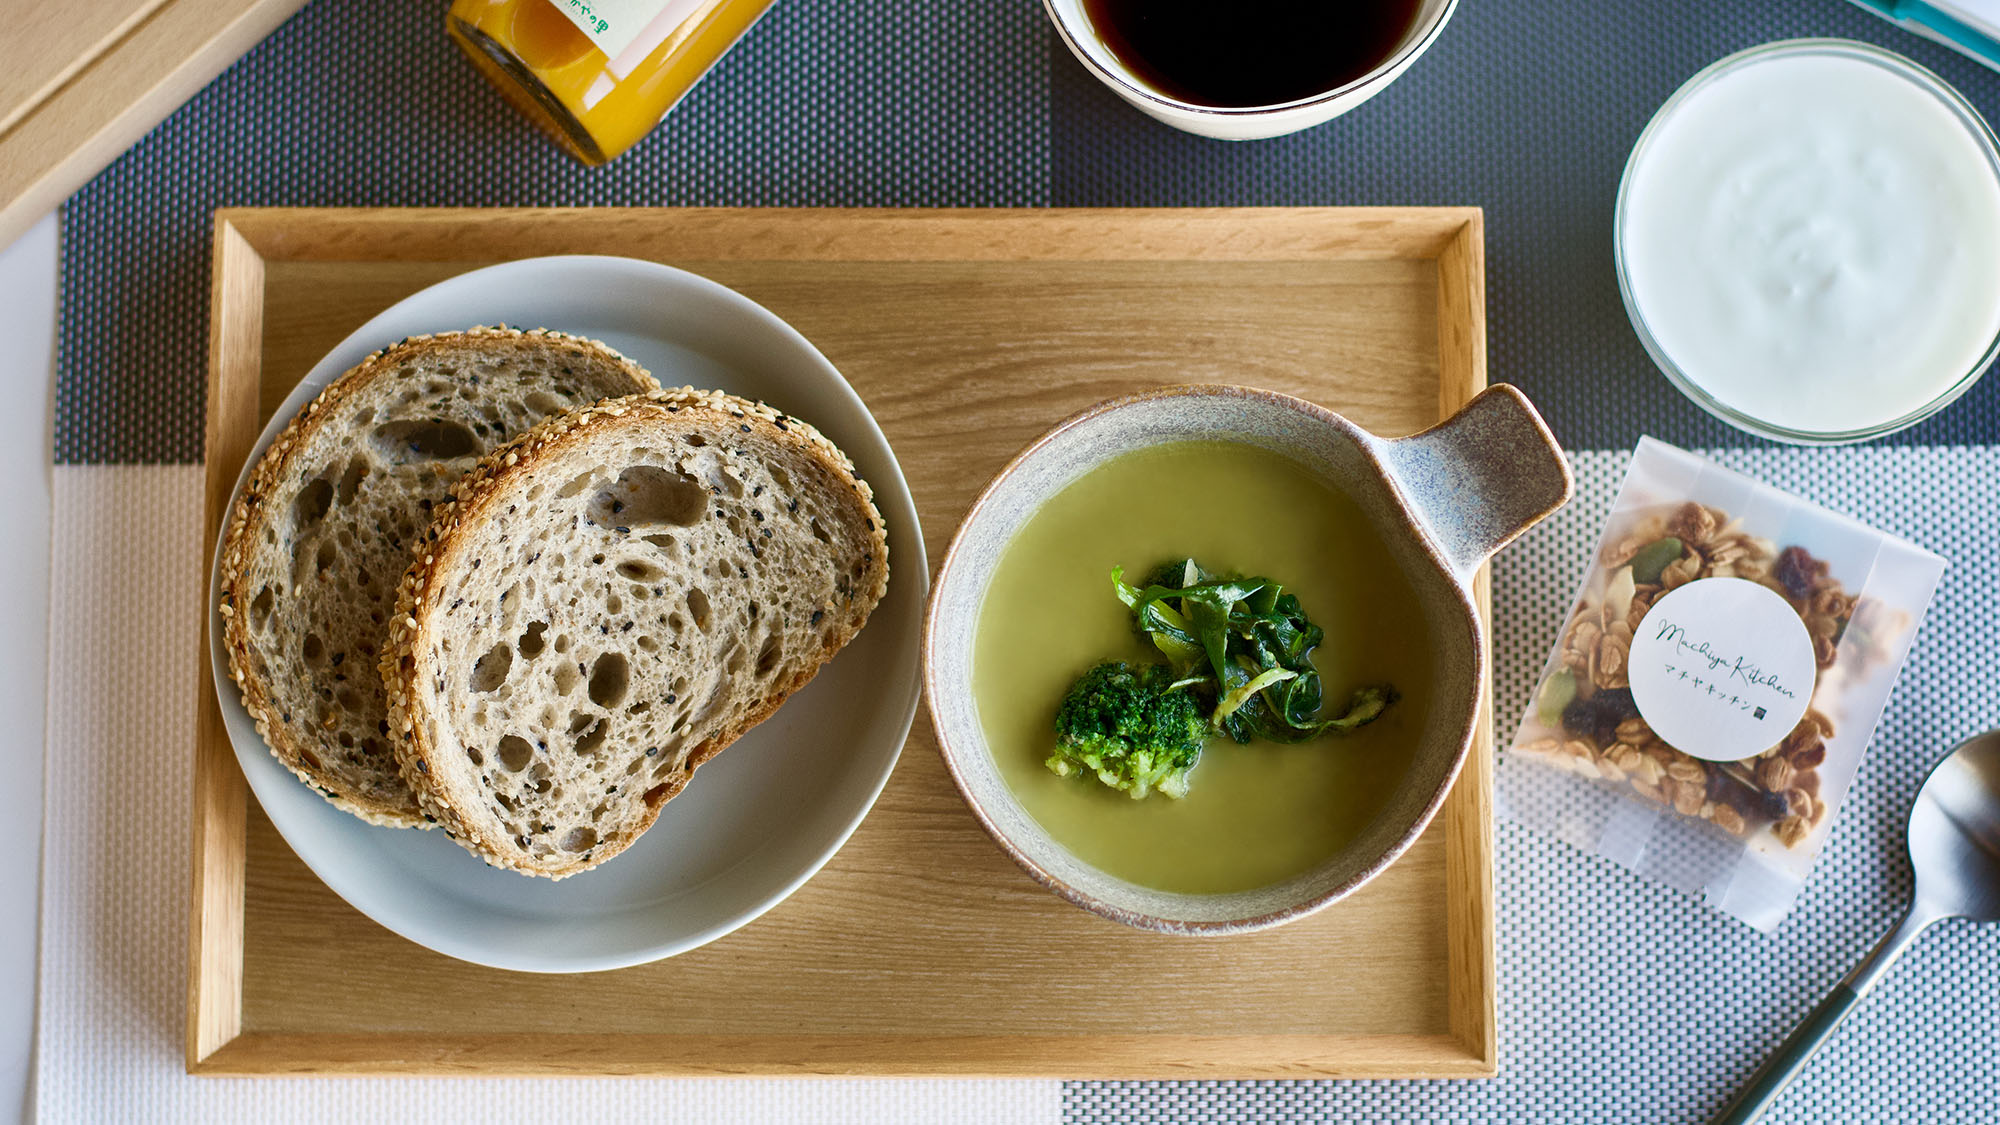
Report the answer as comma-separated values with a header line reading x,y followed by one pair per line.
x,y
1255,814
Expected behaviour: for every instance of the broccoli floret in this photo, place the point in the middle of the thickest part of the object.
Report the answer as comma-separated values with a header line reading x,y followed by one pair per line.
x,y
1131,727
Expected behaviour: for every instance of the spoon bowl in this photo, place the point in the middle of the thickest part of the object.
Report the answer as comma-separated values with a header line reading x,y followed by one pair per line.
x,y
1954,840
1955,834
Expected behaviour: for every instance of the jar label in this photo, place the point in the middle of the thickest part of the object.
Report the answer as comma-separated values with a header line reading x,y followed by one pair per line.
x,y
617,25
1722,669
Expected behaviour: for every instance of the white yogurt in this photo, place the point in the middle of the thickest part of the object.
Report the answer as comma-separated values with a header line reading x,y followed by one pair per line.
x,y
1813,239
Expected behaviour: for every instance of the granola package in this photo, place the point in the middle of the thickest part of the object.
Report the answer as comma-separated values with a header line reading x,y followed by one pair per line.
x,y
1715,683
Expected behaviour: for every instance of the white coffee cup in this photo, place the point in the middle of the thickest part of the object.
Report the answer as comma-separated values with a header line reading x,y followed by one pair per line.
x,y
1251,122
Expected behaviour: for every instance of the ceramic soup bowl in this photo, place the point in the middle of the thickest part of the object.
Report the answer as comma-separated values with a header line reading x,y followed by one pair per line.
x,y
1442,501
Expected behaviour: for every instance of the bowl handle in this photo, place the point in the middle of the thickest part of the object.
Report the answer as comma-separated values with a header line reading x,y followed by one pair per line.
x,y
1480,478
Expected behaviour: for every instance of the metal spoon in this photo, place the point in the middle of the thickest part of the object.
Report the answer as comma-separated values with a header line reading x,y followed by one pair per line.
x,y
1955,852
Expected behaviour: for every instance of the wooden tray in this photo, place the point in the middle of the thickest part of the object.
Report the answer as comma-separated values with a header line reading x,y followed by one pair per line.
x,y
920,949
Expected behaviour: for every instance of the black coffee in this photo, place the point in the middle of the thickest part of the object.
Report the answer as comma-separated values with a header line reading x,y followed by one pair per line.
x,y
1239,53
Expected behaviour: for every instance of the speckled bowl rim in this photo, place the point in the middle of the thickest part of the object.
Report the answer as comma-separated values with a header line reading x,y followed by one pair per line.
x,y
1384,72
1367,445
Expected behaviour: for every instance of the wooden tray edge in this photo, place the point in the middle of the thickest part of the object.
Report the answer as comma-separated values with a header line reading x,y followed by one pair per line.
x,y
217,852
893,234
244,238
1137,1057
1469,812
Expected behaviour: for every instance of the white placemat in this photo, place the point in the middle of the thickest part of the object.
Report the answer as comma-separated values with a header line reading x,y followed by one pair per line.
x,y
28,322
126,603
1619,1000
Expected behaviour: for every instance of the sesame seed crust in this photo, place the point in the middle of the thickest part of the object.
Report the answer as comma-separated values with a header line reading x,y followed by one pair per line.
x,y
291,741
407,656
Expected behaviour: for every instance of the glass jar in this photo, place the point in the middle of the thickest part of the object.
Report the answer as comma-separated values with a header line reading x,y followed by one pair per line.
x,y
598,75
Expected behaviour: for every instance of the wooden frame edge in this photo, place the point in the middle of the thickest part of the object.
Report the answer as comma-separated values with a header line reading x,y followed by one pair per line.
x,y
862,234
1473,984
216,856
1133,1057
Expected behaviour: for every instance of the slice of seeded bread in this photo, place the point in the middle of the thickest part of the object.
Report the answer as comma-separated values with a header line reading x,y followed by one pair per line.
x,y
324,531
608,603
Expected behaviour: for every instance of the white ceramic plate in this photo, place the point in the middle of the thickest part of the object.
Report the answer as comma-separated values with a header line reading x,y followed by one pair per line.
x,y
758,820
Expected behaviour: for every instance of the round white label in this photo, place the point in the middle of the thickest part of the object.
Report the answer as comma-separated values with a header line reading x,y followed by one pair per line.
x,y
1722,669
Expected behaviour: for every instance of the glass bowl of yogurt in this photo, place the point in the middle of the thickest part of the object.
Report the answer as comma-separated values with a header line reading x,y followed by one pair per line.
x,y
1808,241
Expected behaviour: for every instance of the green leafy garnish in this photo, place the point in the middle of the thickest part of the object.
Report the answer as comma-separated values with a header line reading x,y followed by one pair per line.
x,y
1238,662
1246,644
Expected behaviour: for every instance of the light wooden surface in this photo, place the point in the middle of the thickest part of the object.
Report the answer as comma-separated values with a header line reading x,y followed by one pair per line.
x,y
46,46
919,949
1468,817
215,897
79,82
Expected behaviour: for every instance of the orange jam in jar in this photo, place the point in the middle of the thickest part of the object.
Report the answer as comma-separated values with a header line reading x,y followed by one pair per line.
x,y
597,75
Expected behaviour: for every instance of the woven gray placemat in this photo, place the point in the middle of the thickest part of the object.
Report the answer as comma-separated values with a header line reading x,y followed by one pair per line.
x,y
1620,1001
891,103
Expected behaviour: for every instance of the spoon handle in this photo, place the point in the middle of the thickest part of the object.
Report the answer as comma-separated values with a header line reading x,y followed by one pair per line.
x,y
1791,1057
1799,1047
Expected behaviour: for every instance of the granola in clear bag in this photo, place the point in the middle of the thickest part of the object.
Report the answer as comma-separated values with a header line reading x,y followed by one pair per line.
x,y
1718,676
